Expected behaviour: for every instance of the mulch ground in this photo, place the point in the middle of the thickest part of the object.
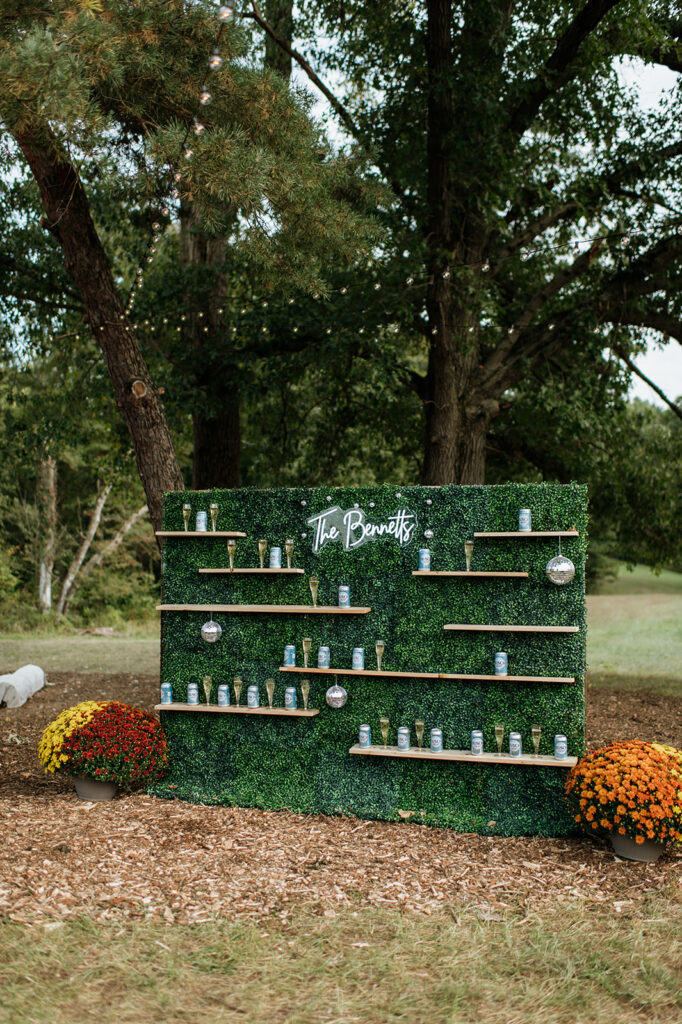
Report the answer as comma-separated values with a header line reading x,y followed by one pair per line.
x,y
137,856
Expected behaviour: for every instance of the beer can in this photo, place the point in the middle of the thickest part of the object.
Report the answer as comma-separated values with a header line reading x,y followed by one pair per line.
x,y
524,519
290,698
436,740
403,738
560,746
358,661
201,522
501,663
252,697
223,696
323,657
290,654
424,559
275,558
364,736
515,745
344,597
476,741
192,693
166,693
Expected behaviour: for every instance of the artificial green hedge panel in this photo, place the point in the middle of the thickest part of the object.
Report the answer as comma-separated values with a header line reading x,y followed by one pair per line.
x,y
303,764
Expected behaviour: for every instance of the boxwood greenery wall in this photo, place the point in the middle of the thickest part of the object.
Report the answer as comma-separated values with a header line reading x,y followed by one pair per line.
x,y
303,764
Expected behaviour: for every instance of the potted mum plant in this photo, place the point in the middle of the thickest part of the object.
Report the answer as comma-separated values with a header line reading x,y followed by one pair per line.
x,y
104,745
628,793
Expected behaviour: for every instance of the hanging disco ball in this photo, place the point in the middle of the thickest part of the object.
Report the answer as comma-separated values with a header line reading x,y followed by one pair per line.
x,y
211,631
560,570
336,696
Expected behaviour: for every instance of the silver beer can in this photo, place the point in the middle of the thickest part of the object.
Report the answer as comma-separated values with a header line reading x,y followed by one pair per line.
x,y
192,693
501,663
364,736
223,696
403,738
290,698
201,522
275,558
344,597
424,559
252,697
476,741
290,654
437,740
323,657
524,519
166,693
560,746
358,660
515,745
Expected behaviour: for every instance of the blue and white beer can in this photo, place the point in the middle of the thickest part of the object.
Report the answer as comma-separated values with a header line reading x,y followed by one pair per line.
x,y
560,746
223,696
424,559
290,698
323,657
275,558
524,519
515,745
501,663
192,693
358,659
436,740
476,741
364,736
344,597
166,693
252,697
290,655
403,738
202,522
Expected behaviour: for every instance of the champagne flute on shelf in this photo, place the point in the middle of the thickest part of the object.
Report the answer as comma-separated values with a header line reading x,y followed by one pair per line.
x,y
289,550
419,730
468,552
262,551
270,690
536,733
231,549
208,683
499,736
314,584
237,683
214,515
379,647
305,691
384,723
186,515
307,644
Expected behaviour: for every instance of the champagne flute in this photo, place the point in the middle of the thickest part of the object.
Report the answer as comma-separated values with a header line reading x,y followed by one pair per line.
x,y
262,551
536,733
307,644
419,730
208,683
270,690
383,722
305,691
314,584
289,549
237,683
214,516
379,647
231,548
499,736
468,552
186,515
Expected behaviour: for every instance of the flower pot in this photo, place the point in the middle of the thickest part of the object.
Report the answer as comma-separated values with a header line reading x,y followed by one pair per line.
x,y
94,789
647,852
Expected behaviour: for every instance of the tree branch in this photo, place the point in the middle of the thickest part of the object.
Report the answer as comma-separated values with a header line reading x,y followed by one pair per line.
x,y
79,557
642,376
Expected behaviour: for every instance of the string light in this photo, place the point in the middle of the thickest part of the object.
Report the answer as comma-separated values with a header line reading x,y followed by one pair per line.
x,y
226,11
204,96
198,126
215,60
485,268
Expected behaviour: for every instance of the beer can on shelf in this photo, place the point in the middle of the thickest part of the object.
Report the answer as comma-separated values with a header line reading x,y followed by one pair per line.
x,y
275,558
192,693
515,745
344,597
524,519
323,657
252,697
290,698
290,654
202,522
476,741
424,559
223,696
166,693
501,663
364,736
358,660
403,738
560,746
436,740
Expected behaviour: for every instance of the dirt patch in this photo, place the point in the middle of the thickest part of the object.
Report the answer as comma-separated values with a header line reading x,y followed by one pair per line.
x,y
138,856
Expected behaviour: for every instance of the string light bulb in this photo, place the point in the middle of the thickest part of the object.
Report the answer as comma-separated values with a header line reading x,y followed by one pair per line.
x,y
204,96
485,268
198,127
225,13
215,60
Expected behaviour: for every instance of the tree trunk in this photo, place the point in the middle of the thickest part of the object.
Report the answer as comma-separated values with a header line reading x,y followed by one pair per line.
x,y
79,557
278,13
46,502
69,220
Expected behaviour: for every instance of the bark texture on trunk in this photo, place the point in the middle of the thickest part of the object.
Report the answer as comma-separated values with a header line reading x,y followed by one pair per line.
x,y
69,220
279,14
46,502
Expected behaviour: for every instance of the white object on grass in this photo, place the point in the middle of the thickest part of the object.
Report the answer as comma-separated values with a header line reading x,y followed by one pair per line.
x,y
17,687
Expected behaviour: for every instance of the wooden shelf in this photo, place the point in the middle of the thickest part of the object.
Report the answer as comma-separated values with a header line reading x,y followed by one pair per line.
x,y
237,709
512,629
447,572
199,533
425,675
537,760
282,609
530,533
254,572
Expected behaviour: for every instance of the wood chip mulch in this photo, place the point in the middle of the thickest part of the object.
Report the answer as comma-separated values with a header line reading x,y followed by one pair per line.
x,y
140,857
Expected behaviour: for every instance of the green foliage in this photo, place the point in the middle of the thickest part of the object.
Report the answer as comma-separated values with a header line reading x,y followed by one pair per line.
x,y
303,763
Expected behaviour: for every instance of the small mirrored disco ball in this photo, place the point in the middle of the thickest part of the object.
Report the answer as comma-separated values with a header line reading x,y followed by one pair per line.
x,y
336,696
211,631
560,570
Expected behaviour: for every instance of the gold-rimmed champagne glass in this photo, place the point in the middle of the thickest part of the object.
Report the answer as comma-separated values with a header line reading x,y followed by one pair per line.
x,y
208,684
307,644
237,683
289,551
314,584
468,552
231,549
214,515
384,723
379,647
305,691
270,690
536,733
419,730
499,736
186,515
262,551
